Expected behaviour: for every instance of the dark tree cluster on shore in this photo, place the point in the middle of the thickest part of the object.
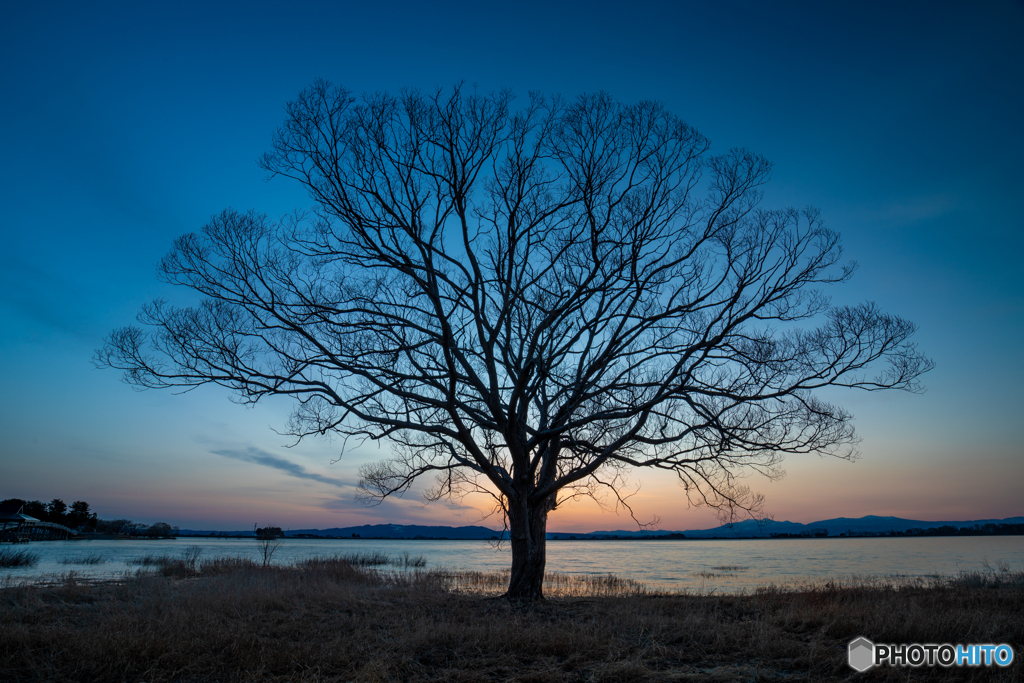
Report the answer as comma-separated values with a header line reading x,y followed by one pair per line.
x,y
126,527
79,516
57,512
269,532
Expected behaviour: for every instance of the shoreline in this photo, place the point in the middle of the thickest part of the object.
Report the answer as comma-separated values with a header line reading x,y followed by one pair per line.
x,y
660,539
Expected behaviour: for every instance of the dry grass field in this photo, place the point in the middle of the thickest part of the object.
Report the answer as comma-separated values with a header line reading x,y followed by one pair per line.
x,y
328,619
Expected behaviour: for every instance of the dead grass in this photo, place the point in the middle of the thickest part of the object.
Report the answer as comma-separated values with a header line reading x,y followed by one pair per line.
x,y
90,559
16,557
323,619
379,559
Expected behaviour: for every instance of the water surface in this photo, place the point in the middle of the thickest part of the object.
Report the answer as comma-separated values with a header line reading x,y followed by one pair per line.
x,y
728,566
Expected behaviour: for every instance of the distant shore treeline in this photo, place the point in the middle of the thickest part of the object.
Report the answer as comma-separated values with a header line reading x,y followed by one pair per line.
x,y
81,518
945,530
766,529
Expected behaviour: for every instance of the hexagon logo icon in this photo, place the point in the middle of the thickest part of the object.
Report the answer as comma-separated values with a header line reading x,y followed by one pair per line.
x,y
861,654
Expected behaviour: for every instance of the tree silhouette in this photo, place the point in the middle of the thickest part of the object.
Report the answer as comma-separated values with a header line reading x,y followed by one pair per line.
x,y
525,302
81,514
35,508
56,511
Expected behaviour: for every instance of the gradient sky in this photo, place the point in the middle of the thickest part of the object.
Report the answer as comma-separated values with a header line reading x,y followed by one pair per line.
x,y
128,124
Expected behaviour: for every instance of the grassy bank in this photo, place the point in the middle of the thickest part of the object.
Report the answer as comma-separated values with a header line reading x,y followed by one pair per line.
x,y
327,620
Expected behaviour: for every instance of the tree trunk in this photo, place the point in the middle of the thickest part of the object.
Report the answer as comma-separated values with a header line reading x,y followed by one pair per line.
x,y
528,528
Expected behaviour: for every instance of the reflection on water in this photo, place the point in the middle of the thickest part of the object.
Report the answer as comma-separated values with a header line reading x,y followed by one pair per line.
x,y
699,565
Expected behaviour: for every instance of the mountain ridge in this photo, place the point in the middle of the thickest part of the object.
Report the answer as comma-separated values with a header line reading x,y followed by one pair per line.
x,y
869,524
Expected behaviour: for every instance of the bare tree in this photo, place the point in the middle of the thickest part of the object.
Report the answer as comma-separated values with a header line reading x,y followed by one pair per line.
x,y
266,547
529,302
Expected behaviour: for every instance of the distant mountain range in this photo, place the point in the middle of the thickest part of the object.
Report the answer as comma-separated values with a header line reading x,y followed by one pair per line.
x,y
746,529
764,529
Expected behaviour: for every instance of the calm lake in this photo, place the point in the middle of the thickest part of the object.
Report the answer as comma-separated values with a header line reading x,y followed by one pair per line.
x,y
728,566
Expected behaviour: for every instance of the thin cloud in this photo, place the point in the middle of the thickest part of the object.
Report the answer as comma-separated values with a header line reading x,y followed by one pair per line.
x,y
35,294
261,457
386,509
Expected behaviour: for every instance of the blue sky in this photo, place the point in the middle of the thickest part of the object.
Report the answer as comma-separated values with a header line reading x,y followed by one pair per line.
x,y
128,124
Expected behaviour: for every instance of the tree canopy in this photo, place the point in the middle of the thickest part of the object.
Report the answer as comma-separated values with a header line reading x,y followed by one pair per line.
x,y
526,301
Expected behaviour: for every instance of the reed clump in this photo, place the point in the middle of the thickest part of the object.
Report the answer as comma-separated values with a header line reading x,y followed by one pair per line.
x,y
17,557
329,619
89,559
150,560
379,559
